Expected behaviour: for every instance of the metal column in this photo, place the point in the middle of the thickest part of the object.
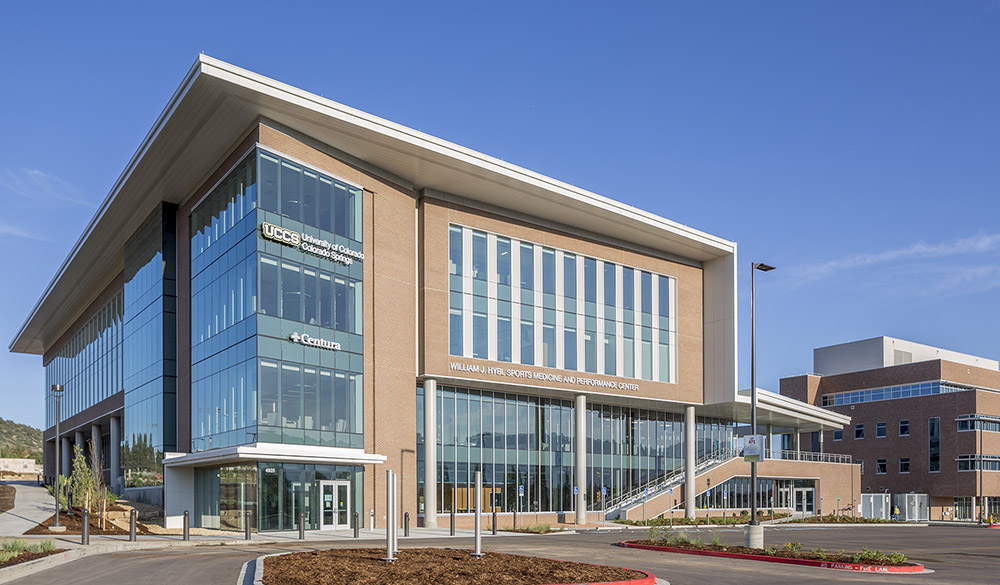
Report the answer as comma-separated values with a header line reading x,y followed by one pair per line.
x,y
96,457
114,457
430,454
580,456
689,461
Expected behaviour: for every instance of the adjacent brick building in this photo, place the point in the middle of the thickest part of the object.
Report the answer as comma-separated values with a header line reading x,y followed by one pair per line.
x,y
923,420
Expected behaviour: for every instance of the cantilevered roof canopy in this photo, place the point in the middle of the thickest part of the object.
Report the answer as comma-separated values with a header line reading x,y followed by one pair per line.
x,y
778,411
217,103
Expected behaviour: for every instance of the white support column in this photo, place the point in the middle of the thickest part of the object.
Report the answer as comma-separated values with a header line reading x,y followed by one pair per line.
x,y
114,457
78,440
430,454
798,440
96,456
66,455
769,438
689,460
820,433
581,459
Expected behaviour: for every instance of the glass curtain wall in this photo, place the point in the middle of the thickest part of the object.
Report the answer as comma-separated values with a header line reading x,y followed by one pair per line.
x,y
735,494
556,309
223,307
520,440
150,348
88,365
309,395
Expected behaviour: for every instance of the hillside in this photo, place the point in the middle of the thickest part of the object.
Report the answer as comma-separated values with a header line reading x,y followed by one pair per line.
x,y
17,440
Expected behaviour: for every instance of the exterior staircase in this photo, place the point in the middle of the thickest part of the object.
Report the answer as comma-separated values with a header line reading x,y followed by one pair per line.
x,y
663,484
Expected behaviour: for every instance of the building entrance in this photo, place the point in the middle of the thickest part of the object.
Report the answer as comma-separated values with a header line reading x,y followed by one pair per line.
x,y
336,505
804,501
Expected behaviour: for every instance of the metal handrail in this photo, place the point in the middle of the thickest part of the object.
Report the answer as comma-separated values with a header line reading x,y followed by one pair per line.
x,y
807,456
670,479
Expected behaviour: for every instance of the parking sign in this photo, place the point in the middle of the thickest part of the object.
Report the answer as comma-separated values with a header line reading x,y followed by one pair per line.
x,y
520,490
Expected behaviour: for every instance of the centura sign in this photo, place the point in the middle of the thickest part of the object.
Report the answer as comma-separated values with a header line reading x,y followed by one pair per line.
x,y
314,341
309,244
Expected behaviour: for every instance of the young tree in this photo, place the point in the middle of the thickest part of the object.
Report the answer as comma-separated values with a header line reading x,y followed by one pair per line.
x,y
81,479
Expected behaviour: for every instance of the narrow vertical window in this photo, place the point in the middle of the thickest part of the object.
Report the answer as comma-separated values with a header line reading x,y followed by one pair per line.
x,y
934,443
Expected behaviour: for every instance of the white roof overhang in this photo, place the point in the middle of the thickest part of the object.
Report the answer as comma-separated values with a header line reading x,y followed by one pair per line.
x,y
312,454
217,104
778,411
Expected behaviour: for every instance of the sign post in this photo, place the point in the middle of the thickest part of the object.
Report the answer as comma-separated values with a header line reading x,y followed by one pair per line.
x,y
576,491
753,448
670,496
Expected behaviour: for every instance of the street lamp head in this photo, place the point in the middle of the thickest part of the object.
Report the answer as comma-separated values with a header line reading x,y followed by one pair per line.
x,y
762,267
57,388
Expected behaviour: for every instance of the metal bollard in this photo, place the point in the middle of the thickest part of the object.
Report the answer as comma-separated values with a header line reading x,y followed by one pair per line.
x,y
494,521
246,525
357,526
406,524
187,525
302,526
85,530
453,521
133,516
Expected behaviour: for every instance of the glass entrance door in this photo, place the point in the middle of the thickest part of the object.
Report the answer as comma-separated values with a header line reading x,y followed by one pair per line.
x,y
335,505
804,500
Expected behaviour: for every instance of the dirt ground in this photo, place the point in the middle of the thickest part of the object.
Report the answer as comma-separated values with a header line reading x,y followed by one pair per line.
x,y
74,524
430,565
6,498
28,556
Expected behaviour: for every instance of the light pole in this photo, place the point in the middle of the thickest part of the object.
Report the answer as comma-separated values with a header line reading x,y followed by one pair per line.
x,y
57,389
755,532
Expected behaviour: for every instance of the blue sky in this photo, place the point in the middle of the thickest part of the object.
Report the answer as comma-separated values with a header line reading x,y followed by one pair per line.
x,y
854,145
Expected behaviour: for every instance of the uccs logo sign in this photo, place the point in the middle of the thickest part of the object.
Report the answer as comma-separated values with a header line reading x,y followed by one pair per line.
x,y
280,234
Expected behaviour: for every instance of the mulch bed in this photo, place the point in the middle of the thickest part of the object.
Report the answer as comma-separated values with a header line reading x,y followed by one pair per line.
x,y
29,556
74,524
6,498
421,566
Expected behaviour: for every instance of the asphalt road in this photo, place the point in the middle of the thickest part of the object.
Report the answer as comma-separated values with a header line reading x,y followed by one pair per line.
x,y
957,555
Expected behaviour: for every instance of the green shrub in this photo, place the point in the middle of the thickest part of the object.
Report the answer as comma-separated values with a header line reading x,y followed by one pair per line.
x,y
658,534
771,551
716,541
17,545
6,555
870,557
792,546
820,553
897,558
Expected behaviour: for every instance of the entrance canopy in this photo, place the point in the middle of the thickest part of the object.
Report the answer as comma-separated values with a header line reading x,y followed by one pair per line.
x,y
273,452
778,411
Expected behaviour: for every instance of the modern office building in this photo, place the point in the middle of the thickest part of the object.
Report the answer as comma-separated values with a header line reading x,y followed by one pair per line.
x,y
283,296
923,420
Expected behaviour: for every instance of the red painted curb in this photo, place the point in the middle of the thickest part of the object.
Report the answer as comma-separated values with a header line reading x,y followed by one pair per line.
x,y
782,560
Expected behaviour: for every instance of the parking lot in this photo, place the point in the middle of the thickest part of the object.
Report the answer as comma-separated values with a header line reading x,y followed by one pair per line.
x,y
954,554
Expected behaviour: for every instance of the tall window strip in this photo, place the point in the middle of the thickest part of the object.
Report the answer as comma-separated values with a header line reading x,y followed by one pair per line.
x,y
519,302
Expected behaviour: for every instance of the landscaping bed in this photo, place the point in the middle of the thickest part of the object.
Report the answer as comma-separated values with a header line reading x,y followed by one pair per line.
x,y
74,524
15,552
6,498
842,519
791,552
432,565
684,521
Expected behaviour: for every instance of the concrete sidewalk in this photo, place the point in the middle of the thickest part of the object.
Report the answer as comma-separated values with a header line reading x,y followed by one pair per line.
x,y
32,505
